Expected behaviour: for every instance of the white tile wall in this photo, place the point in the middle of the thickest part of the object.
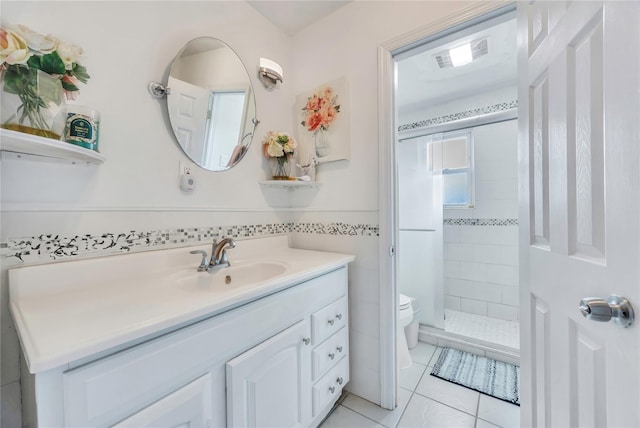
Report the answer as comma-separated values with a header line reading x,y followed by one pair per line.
x,y
481,262
10,410
361,348
452,302
502,274
364,331
477,307
503,312
10,405
511,296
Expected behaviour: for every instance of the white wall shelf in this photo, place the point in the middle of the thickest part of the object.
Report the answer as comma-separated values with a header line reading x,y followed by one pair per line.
x,y
290,185
289,193
20,142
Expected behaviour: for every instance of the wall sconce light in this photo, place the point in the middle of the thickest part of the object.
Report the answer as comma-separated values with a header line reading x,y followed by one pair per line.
x,y
270,73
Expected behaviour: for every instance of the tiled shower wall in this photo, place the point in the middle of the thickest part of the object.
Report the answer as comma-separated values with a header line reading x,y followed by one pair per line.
x,y
481,244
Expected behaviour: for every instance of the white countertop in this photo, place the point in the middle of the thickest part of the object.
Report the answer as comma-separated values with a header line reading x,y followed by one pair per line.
x,y
70,310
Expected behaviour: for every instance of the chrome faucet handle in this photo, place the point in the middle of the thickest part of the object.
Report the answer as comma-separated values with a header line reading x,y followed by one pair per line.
x,y
212,260
219,257
223,256
203,263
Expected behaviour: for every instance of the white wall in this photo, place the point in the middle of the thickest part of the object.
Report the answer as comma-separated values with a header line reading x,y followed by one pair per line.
x,y
129,44
345,44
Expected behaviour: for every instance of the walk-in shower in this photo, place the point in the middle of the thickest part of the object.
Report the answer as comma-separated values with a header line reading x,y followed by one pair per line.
x,y
457,186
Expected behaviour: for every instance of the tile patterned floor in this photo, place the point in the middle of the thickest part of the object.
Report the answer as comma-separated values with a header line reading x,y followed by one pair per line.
x,y
426,401
501,332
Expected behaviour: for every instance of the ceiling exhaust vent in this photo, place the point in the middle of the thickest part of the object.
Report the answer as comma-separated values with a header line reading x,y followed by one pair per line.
x,y
478,48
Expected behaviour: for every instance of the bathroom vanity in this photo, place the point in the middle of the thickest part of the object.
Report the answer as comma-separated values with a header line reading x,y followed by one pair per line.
x,y
145,340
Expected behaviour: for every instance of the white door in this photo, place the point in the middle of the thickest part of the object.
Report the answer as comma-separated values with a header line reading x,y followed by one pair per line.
x,y
189,111
270,385
579,166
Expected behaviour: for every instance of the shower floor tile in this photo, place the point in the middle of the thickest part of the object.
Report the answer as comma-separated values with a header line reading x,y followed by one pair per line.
x,y
501,332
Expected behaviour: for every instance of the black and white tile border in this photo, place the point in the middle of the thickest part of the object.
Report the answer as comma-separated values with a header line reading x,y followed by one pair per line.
x,y
480,221
54,247
58,247
460,115
336,229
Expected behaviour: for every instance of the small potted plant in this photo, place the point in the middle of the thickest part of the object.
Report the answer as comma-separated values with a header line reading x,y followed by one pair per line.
x,y
279,148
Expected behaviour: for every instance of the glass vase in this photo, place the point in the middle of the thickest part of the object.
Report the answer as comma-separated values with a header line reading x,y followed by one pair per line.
x,y
321,141
280,168
32,102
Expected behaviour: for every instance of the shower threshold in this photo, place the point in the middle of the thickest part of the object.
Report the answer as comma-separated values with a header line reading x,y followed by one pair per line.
x,y
491,337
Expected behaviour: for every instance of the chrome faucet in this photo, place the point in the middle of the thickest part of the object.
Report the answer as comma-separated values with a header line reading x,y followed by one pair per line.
x,y
218,255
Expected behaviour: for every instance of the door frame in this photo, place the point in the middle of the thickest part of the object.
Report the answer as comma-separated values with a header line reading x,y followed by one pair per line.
x,y
387,185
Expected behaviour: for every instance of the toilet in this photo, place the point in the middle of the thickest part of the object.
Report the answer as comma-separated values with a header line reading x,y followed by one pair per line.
x,y
405,316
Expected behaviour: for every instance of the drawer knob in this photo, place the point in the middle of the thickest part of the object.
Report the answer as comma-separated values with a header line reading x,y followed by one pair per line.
x,y
332,355
331,321
339,316
339,349
339,380
332,389
306,340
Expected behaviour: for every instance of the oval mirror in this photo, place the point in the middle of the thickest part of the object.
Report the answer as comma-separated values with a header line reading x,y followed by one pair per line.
x,y
211,104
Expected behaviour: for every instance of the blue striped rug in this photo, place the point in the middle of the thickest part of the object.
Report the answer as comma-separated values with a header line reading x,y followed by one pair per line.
x,y
487,376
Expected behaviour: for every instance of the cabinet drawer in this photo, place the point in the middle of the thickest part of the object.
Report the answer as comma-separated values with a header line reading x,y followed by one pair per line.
x,y
328,388
328,353
329,319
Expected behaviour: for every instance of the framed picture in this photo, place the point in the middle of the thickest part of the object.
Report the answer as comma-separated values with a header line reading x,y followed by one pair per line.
x,y
323,123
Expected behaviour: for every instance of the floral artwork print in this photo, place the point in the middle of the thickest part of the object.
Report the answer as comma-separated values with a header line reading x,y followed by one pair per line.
x,y
324,132
321,110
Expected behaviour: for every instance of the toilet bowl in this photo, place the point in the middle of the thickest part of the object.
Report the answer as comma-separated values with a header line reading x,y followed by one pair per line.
x,y
405,316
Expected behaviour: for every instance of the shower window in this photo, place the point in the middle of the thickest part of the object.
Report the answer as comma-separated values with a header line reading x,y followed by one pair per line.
x,y
452,156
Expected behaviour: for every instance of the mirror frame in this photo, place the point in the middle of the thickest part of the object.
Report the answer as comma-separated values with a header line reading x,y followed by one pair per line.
x,y
247,126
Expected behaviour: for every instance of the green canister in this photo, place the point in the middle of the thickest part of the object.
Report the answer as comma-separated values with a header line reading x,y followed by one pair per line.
x,y
82,127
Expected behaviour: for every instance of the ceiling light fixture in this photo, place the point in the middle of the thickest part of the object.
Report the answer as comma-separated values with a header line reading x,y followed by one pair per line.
x,y
461,55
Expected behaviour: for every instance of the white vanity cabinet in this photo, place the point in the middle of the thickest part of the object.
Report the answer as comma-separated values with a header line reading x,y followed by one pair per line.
x,y
285,382
269,385
189,406
279,360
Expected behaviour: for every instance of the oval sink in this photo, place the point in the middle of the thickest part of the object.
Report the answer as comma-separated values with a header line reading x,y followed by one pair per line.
x,y
239,274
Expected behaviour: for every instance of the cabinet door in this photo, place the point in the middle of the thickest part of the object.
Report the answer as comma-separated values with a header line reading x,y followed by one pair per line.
x,y
270,384
188,407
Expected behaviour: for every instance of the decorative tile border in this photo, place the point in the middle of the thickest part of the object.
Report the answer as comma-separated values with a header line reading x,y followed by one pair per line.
x,y
480,221
64,247
59,247
460,115
336,229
